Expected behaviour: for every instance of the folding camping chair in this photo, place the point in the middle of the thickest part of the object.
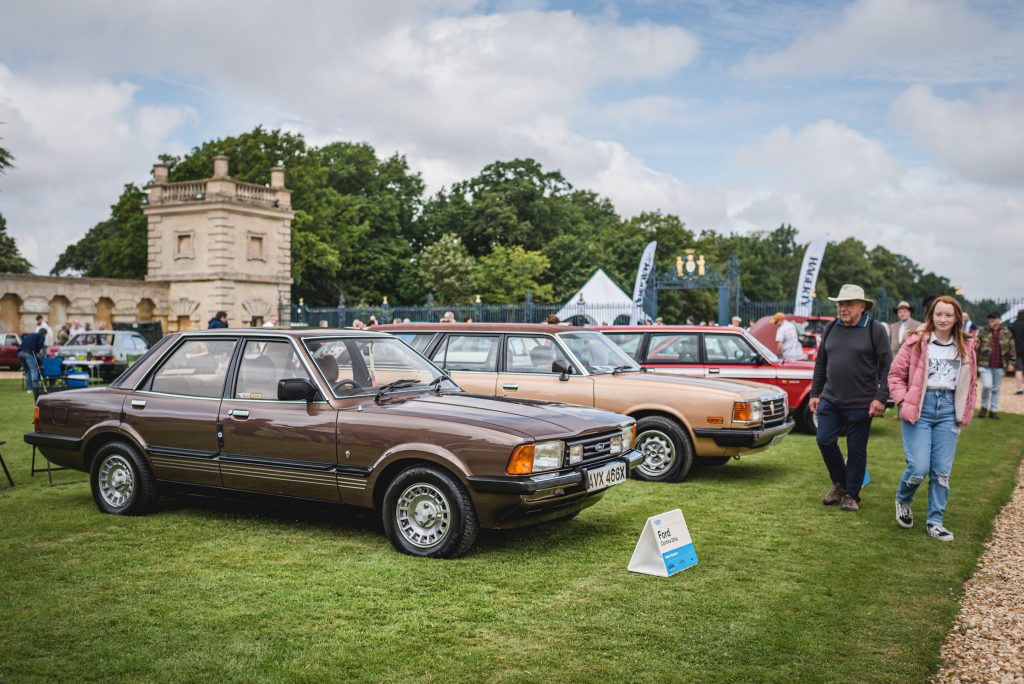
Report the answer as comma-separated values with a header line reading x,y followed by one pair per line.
x,y
4,465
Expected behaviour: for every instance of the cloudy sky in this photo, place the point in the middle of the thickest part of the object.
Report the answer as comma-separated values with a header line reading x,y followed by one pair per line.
x,y
897,121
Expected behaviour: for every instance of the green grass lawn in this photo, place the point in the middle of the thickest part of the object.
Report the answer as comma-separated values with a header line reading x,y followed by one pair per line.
x,y
785,590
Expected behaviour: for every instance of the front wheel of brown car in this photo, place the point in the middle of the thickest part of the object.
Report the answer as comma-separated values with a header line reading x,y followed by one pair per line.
x,y
122,482
427,512
667,449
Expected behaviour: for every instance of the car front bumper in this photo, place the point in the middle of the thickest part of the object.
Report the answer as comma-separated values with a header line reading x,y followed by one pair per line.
x,y
747,439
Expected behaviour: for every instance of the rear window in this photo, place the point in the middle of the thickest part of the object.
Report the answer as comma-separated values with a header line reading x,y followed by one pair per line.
x,y
88,339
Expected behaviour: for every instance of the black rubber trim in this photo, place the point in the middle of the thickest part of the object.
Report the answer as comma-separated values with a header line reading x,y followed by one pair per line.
x,y
278,463
41,439
728,437
182,453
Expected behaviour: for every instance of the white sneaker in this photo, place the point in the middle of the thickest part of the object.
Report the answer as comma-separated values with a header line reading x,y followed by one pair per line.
x,y
939,532
904,516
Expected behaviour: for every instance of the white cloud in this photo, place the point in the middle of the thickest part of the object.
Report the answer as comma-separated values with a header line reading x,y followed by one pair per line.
x,y
935,40
982,140
75,145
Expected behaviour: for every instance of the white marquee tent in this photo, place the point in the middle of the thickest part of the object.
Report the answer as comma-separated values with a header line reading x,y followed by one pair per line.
x,y
600,301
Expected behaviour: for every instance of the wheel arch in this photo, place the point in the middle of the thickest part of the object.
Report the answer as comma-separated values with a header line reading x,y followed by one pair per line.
x,y
403,460
102,439
638,414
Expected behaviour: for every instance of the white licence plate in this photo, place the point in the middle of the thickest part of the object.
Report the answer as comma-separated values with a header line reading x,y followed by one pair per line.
x,y
775,440
606,476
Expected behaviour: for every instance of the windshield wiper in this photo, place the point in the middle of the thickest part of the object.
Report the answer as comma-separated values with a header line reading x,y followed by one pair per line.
x,y
397,384
623,369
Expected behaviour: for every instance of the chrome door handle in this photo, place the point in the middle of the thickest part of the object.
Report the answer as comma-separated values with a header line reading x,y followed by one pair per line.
x,y
138,403
239,413
714,371
510,387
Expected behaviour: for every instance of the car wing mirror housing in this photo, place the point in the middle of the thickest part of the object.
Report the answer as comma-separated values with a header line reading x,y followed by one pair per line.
x,y
561,367
295,389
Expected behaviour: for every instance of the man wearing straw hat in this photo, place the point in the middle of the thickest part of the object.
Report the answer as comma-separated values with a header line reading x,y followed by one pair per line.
x,y
903,327
850,388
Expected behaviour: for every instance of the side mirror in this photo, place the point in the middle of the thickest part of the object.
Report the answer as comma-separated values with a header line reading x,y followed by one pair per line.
x,y
295,389
561,367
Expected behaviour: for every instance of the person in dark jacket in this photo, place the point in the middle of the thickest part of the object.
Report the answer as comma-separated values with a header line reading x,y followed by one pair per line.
x,y
32,345
220,320
1017,328
849,388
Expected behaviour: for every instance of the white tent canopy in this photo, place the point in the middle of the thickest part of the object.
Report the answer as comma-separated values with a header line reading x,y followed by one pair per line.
x,y
600,301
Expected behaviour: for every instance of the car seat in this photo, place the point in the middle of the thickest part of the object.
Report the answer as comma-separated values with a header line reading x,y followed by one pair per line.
x,y
542,358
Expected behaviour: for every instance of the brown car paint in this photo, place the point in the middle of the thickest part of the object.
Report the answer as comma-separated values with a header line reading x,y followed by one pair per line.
x,y
330,449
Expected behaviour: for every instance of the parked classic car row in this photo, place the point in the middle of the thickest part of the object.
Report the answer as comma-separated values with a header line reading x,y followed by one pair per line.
x,y
552,418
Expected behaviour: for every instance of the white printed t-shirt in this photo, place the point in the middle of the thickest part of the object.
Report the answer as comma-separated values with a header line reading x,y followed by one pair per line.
x,y
791,349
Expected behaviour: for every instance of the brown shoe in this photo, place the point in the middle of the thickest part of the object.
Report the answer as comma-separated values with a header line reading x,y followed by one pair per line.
x,y
834,496
993,415
850,505
983,413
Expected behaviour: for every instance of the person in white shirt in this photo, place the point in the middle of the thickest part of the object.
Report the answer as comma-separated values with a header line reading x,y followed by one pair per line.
x,y
43,327
899,330
787,341
272,323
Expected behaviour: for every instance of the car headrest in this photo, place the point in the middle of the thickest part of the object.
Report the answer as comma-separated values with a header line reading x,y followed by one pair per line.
x,y
329,367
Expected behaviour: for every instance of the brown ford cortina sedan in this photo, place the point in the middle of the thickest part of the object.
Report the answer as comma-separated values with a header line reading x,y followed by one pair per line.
x,y
347,417
677,417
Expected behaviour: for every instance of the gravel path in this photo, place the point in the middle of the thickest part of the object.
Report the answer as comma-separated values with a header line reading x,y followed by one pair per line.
x,y
986,643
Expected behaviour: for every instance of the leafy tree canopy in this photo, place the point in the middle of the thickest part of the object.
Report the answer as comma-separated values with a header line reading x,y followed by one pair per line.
x,y
11,260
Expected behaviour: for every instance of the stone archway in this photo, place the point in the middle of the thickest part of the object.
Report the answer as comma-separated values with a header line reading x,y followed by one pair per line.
x,y
144,310
104,313
10,313
59,306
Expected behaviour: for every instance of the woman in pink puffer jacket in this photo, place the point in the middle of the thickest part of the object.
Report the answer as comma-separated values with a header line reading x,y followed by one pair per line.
x,y
932,381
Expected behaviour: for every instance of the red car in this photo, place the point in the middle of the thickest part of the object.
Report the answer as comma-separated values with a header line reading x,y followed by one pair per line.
x,y
9,350
728,353
808,328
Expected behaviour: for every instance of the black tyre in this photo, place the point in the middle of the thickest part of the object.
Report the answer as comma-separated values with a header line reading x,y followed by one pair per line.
x,y
122,482
806,420
668,451
713,460
428,512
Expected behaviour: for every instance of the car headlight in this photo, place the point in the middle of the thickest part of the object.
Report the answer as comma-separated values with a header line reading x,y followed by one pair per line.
x,y
628,437
532,458
615,444
747,411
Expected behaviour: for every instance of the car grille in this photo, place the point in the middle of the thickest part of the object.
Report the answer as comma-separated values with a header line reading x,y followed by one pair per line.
x,y
592,446
774,411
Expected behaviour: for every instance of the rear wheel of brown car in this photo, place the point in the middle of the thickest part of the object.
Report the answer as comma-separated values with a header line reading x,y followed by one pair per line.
x,y
427,512
122,483
667,449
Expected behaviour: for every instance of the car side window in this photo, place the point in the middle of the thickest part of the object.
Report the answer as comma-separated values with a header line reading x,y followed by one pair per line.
x,y
628,342
532,354
264,364
674,348
10,339
468,353
418,341
724,348
140,344
196,369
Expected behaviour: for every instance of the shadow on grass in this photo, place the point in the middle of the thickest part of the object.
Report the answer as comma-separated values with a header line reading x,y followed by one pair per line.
x,y
735,471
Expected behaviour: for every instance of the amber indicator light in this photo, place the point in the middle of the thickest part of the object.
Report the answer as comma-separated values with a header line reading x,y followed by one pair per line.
x,y
521,462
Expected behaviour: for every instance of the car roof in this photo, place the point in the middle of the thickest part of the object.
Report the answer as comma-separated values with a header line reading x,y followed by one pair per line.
x,y
667,328
481,327
284,332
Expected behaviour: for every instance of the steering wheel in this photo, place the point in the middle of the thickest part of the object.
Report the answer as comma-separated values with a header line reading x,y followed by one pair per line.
x,y
346,384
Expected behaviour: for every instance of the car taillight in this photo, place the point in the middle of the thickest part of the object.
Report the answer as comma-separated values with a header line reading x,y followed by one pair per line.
x,y
35,420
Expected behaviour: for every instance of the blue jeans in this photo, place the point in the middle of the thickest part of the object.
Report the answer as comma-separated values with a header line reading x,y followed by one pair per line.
x,y
929,446
30,366
991,383
831,419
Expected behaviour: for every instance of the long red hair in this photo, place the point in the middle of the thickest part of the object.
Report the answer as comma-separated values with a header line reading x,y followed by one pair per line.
x,y
958,323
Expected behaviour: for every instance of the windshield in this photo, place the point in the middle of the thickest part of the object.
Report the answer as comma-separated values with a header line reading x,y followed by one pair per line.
x,y
765,351
355,366
598,353
89,339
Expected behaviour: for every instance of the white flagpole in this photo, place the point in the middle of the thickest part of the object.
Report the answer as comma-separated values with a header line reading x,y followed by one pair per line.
x,y
809,275
640,287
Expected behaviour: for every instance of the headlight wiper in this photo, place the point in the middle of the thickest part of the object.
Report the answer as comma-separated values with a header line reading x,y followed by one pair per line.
x,y
397,384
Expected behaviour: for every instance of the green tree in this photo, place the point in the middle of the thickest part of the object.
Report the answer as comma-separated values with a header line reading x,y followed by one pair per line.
x,y
114,248
6,160
506,274
11,260
447,270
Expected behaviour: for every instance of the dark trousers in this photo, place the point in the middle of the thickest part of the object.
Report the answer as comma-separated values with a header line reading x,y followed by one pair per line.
x,y
831,420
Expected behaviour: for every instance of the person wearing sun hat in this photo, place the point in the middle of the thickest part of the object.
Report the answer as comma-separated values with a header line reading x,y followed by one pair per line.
x,y
849,388
899,329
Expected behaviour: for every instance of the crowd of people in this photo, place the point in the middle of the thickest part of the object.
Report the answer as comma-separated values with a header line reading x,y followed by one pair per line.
x,y
929,370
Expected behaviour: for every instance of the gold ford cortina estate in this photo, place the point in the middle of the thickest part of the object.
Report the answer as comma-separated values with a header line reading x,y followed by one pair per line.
x,y
678,418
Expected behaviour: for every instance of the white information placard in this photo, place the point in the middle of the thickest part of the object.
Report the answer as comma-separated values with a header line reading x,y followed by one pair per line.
x,y
664,547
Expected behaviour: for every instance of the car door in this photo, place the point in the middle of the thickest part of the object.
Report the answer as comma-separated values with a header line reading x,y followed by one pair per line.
x,y
471,359
527,372
674,353
9,351
175,412
271,446
729,355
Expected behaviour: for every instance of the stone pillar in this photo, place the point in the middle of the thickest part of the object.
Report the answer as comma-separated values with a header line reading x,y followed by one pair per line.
x,y
220,166
277,177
